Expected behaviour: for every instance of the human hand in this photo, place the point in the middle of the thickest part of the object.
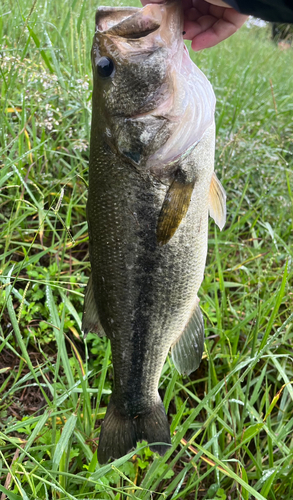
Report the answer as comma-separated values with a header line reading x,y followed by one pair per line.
x,y
207,23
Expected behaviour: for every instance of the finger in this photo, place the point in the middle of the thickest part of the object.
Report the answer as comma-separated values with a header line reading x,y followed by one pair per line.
x,y
192,16
145,2
200,5
186,4
196,25
217,32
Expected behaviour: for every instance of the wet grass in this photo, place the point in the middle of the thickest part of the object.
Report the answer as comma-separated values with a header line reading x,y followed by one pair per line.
x,y
231,421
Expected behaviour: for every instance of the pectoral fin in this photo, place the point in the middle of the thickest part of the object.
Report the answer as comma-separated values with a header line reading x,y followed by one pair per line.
x,y
188,348
174,208
217,202
90,318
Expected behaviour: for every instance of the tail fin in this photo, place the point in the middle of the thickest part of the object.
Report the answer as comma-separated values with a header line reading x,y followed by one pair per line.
x,y
120,434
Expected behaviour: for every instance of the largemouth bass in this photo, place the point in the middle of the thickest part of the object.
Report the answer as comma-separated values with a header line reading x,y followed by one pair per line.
x,y
151,188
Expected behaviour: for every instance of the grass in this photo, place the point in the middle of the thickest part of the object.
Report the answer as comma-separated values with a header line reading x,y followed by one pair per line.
x,y
231,421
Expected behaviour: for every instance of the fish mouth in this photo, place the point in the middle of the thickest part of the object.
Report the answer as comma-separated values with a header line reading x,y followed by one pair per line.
x,y
140,34
129,23
135,23
109,17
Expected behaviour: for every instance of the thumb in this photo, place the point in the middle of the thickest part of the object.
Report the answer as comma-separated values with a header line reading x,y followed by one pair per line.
x,y
145,2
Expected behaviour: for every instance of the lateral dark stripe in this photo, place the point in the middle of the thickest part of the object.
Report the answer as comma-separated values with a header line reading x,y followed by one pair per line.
x,y
148,262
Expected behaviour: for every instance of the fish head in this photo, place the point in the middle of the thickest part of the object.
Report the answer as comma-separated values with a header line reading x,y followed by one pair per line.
x,y
150,102
134,56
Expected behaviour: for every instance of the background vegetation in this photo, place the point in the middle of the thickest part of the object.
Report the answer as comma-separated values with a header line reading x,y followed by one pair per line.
x,y
231,421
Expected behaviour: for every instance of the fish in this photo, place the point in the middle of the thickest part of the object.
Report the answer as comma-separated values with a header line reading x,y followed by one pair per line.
x,y
152,186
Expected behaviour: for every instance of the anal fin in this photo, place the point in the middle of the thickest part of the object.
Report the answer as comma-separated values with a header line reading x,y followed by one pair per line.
x,y
90,318
217,202
174,208
188,348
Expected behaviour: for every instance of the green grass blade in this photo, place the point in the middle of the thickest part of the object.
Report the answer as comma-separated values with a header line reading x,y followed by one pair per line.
x,y
64,440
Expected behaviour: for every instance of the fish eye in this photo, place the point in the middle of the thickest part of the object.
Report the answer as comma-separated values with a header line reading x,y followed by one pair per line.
x,y
105,67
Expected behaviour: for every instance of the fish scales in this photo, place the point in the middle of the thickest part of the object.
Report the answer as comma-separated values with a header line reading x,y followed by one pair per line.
x,y
147,217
